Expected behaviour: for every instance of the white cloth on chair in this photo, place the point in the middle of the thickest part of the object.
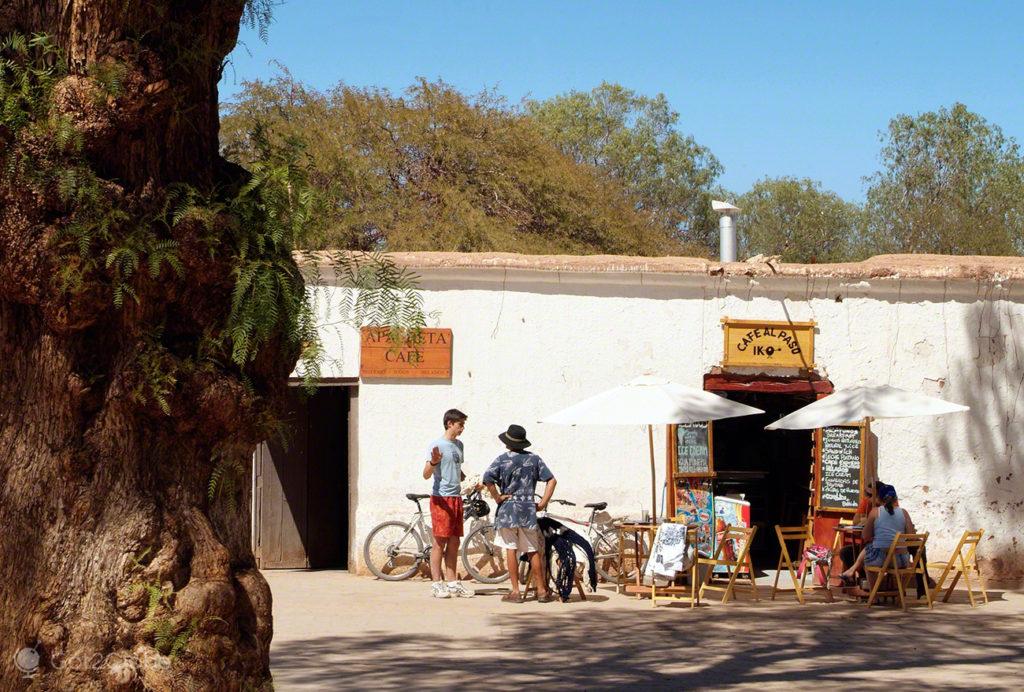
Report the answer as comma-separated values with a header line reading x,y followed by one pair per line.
x,y
670,553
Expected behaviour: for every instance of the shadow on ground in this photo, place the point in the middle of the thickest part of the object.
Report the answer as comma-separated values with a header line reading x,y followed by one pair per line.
x,y
757,645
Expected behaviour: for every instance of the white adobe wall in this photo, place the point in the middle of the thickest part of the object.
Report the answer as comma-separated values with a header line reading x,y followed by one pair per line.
x,y
527,343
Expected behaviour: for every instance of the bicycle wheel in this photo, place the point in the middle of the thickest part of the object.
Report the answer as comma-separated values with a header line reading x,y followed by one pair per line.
x,y
581,571
483,560
393,551
606,555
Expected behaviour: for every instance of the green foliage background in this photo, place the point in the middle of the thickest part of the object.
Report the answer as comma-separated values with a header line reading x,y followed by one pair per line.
x,y
610,171
434,169
950,183
634,140
798,221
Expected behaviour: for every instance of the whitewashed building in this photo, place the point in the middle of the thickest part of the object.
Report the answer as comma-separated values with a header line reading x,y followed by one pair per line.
x,y
533,334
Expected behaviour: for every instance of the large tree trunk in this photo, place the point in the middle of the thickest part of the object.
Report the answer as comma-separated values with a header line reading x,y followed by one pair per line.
x,y
103,490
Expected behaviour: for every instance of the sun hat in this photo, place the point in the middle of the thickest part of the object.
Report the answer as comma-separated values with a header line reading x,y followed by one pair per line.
x,y
515,437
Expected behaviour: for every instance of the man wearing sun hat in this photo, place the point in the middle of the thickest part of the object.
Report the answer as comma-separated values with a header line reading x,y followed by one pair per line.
x,y
516,473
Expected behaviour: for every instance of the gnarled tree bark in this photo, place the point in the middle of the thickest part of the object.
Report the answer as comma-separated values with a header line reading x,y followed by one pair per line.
x,y
101,492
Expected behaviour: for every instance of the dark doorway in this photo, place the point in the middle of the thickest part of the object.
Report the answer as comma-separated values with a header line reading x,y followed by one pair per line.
x,y
301,485
770,469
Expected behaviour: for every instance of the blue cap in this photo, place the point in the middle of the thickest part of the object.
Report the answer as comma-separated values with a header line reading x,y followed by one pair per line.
x,y
885,491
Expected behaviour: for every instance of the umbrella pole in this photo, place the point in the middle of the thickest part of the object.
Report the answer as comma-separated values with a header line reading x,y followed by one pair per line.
x,y
654,495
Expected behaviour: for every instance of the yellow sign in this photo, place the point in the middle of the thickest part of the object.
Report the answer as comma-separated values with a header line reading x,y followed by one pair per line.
x,y
428,357
769,344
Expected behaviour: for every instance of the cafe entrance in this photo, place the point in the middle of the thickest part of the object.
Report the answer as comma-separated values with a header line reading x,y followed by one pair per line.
x,y
300,508
772,470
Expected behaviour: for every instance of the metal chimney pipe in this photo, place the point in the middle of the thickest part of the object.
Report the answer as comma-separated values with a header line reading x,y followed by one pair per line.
x,y
726,230
726,238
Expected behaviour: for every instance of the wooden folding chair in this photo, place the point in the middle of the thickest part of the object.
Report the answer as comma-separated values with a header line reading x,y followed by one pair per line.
x,y
890,568
733,536
677,593
804,537
960,563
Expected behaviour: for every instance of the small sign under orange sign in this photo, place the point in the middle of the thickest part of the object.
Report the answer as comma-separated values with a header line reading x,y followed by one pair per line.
x,y
429,356
772,344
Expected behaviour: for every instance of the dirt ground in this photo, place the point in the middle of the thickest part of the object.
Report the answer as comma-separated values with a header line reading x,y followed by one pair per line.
x,y
334,630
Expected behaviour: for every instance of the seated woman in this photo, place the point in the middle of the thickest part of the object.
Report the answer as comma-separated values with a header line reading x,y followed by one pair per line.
x,y
852,561
883,523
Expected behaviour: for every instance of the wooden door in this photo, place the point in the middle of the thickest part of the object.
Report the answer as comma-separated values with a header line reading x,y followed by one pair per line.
x,y
300,493
282,494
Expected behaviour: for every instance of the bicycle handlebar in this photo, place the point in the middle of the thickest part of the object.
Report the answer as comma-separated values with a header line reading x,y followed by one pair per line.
x,y
557,501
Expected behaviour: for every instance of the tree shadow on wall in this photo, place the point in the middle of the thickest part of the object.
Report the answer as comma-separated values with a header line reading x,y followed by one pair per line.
x,y
989,379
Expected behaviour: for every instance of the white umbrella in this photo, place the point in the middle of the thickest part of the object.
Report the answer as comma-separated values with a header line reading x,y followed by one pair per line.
x,y
650,401
857,403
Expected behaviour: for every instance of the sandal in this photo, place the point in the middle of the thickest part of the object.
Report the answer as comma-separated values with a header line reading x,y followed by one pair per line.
x,y
512,598
547,598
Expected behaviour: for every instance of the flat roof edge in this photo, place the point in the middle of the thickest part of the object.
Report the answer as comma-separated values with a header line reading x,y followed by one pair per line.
x,y
936,267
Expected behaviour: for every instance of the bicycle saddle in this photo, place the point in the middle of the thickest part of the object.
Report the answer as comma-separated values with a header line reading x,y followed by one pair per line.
x,y
597,505
415,498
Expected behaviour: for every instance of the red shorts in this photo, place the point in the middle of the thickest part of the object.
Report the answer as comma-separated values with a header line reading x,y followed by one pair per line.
x,y
446,515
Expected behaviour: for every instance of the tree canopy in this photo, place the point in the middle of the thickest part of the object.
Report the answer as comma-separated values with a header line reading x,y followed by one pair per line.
x,y
635,140
609,171
797,220
435,170
950,183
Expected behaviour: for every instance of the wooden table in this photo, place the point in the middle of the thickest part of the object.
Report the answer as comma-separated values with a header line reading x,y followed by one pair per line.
x,y
851,535
639,551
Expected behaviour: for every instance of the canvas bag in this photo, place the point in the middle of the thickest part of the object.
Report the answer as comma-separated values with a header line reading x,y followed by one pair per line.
x,y
820,557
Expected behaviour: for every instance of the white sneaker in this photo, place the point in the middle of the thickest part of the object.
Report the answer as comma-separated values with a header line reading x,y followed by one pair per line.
x,y
439,590
459,590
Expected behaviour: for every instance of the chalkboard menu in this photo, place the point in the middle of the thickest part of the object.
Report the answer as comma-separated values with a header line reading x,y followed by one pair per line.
x,y
693,449
841,454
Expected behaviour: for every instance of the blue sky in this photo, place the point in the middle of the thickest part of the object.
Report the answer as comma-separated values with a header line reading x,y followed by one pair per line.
x,y
772,88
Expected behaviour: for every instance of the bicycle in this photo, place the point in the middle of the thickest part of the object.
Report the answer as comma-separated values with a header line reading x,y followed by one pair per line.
x,y
605,542
394,550
482,560
485,562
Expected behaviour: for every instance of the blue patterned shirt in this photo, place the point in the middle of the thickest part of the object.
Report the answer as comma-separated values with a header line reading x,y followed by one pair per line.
x,y
516,474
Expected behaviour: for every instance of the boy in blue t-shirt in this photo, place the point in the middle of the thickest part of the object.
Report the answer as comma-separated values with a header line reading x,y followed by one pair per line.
x,y
444,464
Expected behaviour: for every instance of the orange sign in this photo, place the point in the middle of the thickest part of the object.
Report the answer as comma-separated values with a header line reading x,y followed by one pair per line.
x,y
770,344
427,357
